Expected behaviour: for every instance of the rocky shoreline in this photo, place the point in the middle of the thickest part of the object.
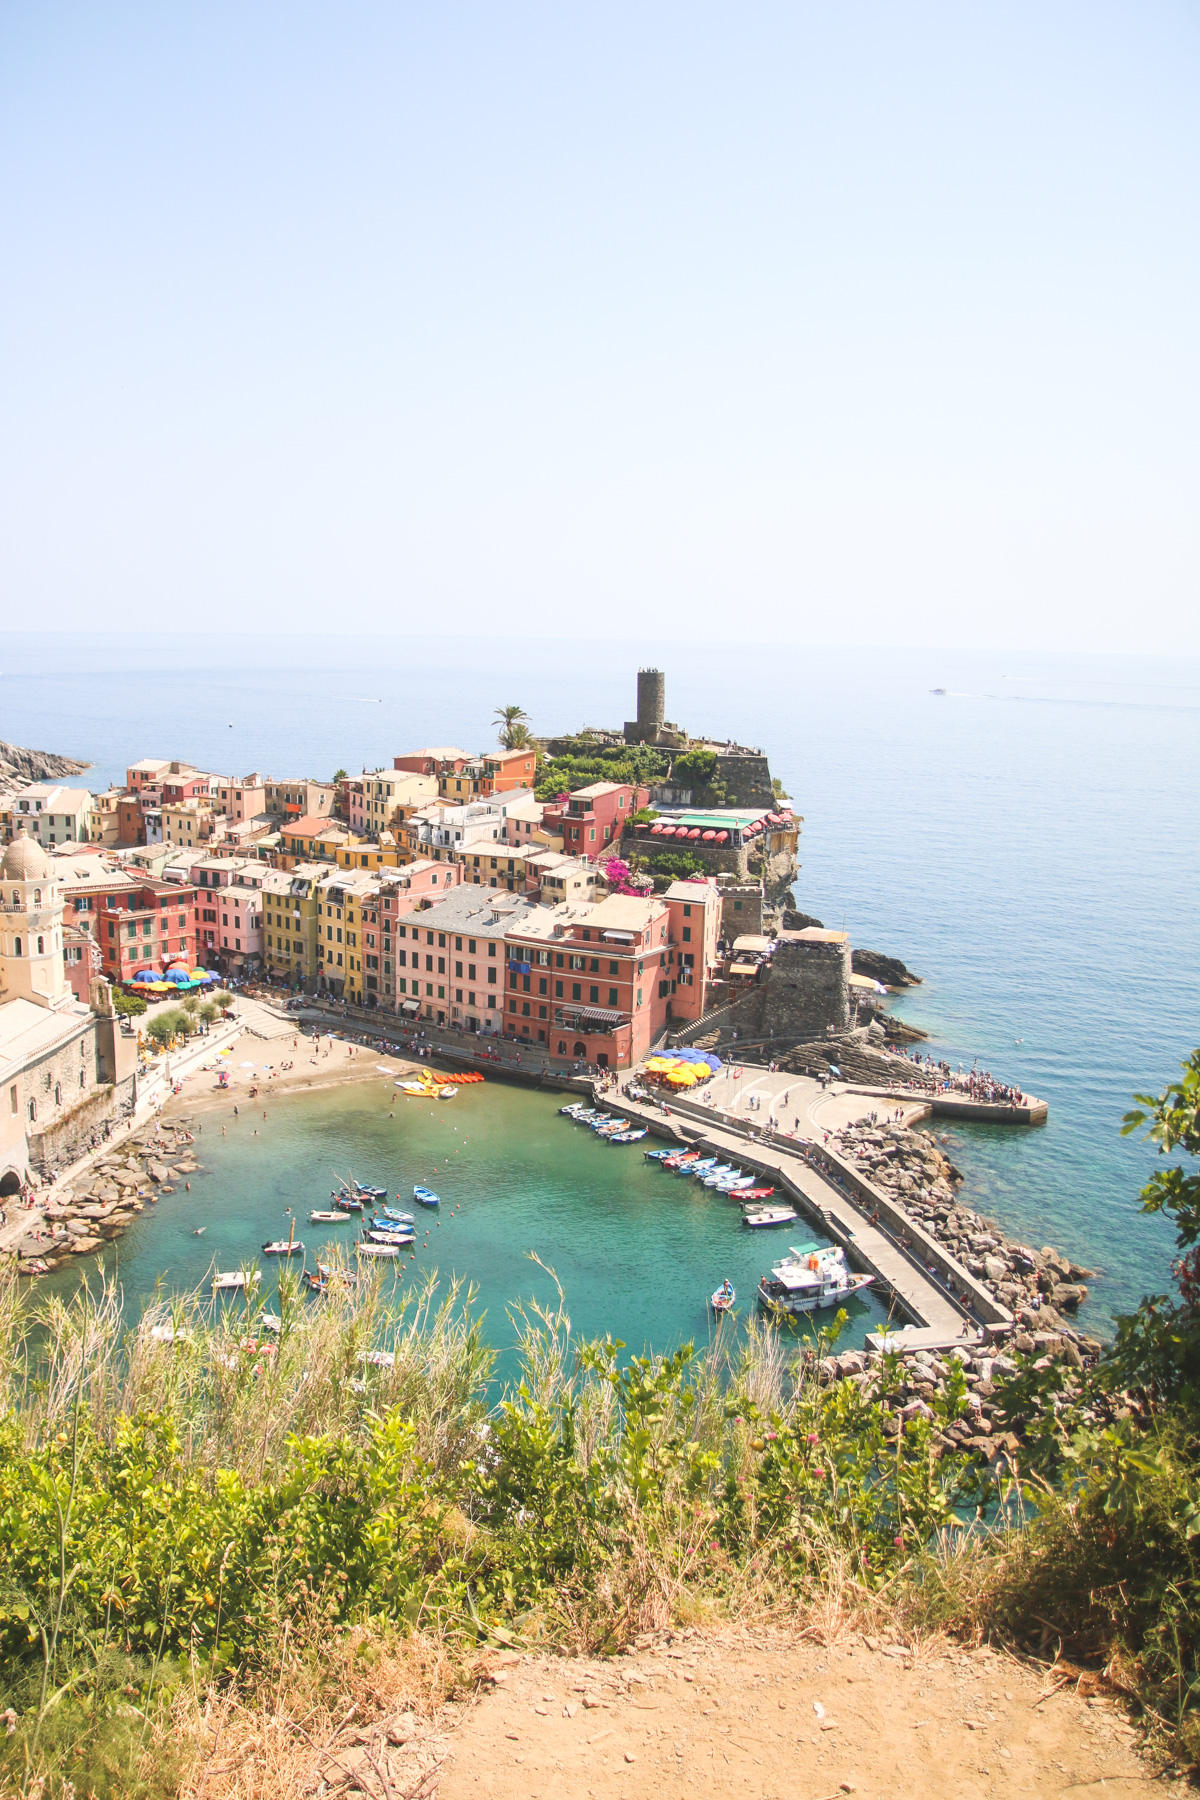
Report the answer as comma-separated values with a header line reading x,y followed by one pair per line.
x,y
108,1198
1038,1287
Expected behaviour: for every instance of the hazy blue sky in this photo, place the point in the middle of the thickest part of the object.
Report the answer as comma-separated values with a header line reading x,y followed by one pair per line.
x,y
864,321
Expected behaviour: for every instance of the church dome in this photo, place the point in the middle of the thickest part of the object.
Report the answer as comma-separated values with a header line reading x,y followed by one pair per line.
x,y
25,860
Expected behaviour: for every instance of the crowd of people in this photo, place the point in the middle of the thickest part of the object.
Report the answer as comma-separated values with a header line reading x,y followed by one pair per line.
x,y
978,1084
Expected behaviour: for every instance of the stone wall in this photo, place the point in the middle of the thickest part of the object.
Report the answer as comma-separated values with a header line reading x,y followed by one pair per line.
x,y
74,1132
741,909
745,777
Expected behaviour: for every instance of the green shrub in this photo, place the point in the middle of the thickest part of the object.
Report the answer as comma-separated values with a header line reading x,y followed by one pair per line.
x,y
128,1006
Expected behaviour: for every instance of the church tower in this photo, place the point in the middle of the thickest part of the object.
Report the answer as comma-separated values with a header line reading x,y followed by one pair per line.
x,y
31,913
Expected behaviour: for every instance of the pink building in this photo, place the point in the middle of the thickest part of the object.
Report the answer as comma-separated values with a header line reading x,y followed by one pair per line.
x,y
695,927
413,888
593,818
353,804
229,912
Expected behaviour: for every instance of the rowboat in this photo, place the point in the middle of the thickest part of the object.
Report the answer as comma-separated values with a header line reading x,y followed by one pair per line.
x,y
285,1246
757,1216
386,1250
723,1299
755,1193
706,1165
400,1218
425,1196
627,1137
389,1237
328,1218
346,1204
238,1278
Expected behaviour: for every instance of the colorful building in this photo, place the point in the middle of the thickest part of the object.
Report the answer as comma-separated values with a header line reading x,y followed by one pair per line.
x,y
229,912
450,959
290,900
695,909
53,814
593,817
147,925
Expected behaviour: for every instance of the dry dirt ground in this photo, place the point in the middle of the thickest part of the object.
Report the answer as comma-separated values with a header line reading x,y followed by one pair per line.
x,y
767,1718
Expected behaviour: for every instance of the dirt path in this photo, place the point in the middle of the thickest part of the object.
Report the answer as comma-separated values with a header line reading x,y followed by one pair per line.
x,y
766,1717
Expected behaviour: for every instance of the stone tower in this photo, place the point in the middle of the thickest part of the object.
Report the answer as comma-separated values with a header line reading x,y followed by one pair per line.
x,y
651,725
31,911
651,702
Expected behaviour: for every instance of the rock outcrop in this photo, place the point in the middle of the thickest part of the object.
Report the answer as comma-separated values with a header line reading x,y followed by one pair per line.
x,y
888,969
20,766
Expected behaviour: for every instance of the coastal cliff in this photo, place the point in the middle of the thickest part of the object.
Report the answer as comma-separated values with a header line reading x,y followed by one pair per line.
x,y
18,765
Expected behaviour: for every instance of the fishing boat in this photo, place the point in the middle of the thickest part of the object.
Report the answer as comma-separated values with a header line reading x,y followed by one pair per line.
x,y
753,1193
364,1192
386,1250
200,1231
425,1196
714,1177
810,1278
758,1216
400,1218
723,1299
388,1225
345,1203
338,1217
706,1165
388,1237
238,1278
628,1137
657,1155
575,1108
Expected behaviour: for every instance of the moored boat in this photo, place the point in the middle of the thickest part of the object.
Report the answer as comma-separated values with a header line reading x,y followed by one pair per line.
x,y
388,1212
810,1278
337,1217
284,1247
425,1196
757,1216
723,1299
384,1250
237,1278
389,1237
628,1137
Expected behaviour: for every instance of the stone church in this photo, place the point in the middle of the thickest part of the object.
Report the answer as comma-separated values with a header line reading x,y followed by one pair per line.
x,y
66,1070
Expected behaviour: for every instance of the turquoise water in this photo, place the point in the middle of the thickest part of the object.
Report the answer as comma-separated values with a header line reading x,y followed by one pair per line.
x,y
637,1249
1028,842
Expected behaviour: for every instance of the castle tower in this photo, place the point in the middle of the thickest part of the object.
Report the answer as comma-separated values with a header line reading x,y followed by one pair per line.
x,y
31,911
651,702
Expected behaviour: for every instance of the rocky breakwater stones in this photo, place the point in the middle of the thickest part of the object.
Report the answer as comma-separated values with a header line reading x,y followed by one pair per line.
x,y
909,1388
103,1203
1037,1286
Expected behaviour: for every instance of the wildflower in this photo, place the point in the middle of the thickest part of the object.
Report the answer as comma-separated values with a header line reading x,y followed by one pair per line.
x,y
899,1542
819,1473
812,1437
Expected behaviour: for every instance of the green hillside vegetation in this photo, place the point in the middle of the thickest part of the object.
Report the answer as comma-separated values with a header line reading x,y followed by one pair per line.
x,y
174,1503
583,761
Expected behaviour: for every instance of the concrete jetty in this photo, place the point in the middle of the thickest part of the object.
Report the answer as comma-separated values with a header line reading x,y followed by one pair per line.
x,y
940,1302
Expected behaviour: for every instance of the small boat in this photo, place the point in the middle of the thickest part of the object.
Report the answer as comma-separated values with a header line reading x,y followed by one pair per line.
x,y
754,1193
448,1093
657,1155
271,1322
200,1231
425,1196
400,1218
388,1225
337,1217
412,1087
757,1216
389,1237
723,1299
575,1108
285,1246
714,1177
808,1279
239,1278
377,1249
345,1204
707,1165
628,1137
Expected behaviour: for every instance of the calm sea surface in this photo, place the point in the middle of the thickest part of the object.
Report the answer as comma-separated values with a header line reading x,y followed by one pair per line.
x,y
1027,841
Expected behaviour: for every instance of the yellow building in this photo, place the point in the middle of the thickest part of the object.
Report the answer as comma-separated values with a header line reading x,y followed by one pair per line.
x,y
361,907
383,852
390,796
188,823
290,901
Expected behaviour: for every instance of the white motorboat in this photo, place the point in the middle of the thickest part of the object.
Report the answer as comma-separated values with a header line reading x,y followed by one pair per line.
x,y
768,1215
808,1279
237,1278
378,1249
328,1218
284,1247
390,1237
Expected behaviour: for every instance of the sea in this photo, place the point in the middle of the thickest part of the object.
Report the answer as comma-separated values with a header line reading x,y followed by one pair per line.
x,y
1020,829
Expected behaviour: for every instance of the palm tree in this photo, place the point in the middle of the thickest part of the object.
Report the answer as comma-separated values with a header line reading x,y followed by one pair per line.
x,y
512,720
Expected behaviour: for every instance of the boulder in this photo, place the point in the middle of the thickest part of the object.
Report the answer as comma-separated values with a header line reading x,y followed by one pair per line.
x,y
995,1268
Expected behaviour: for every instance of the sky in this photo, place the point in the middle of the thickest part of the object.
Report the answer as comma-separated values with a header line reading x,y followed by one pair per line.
x,y
857,324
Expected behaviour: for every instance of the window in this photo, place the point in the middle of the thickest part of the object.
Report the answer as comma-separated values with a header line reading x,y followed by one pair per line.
x,y
491,974
491,949
612,996
687,934
613,968
12,1101
17,944
41,946
576,991
33,1109
594,995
